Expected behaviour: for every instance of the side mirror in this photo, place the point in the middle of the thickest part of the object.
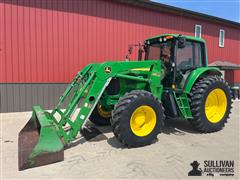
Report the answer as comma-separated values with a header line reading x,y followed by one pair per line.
x,y
141,50
181,42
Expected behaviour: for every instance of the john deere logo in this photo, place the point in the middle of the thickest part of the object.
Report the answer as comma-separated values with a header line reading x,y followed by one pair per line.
x,y
108,69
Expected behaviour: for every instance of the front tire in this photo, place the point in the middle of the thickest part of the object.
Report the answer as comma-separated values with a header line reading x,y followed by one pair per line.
x,y
100,116
210,101
137,118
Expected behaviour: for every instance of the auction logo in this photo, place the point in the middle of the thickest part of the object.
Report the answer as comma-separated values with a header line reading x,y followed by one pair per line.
x,y
195,171
212,168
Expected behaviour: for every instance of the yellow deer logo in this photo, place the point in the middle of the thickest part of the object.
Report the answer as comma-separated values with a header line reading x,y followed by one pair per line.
x,y
108,69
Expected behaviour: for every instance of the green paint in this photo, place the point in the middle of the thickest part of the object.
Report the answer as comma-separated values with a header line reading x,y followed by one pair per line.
x,y
195,74
49,141
183,105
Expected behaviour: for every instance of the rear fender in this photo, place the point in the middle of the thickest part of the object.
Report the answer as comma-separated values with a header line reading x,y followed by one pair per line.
x,y
197,73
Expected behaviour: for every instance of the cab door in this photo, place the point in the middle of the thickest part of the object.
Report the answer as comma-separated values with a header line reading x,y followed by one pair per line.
x,y
187,59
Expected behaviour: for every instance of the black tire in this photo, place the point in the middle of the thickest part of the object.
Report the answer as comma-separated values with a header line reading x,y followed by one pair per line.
x,y
123,111
98,119
198,97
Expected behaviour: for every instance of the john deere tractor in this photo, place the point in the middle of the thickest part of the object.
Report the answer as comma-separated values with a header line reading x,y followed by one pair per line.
x,y
171,79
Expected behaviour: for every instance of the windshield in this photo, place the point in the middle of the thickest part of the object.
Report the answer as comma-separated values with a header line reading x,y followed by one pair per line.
x,y
159,50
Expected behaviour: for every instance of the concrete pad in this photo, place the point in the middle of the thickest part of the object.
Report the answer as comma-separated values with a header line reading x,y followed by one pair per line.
x,y
104,157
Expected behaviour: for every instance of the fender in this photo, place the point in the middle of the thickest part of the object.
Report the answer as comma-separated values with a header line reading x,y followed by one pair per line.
x,y
195,74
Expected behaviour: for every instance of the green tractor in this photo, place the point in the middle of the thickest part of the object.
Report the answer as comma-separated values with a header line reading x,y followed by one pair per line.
x,y
171,79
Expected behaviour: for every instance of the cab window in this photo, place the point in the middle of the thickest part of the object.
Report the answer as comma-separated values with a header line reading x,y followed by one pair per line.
x,y
190,56
154,52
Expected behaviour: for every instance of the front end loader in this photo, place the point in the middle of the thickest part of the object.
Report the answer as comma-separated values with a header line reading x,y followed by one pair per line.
x,y
134,97
43,138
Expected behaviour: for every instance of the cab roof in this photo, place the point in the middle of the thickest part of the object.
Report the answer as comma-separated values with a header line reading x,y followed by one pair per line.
x,y
176,35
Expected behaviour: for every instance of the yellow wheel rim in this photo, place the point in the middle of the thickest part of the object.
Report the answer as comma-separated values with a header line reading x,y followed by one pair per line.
x,y
215,105
102,112
143,120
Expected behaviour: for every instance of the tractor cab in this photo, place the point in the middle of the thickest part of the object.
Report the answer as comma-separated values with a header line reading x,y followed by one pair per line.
x,y
180,55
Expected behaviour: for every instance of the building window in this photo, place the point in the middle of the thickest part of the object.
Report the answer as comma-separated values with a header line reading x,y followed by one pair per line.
x,y
221,38
198,31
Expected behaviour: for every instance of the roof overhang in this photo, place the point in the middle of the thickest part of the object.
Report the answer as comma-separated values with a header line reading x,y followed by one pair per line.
x,y
225,65
179,11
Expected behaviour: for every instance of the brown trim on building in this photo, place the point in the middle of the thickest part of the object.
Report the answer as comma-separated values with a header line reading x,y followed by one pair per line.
x,y
179,11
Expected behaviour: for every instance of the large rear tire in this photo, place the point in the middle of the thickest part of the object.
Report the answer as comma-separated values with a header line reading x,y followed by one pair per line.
x,y
137,118
210,101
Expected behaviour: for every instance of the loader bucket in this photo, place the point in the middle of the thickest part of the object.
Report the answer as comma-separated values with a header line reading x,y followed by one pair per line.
x,y
38,142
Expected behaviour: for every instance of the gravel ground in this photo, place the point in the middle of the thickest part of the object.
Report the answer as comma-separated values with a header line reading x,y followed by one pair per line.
x,y
104,157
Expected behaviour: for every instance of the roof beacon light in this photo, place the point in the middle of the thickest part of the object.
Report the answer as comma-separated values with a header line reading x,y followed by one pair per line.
x,y
168,37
